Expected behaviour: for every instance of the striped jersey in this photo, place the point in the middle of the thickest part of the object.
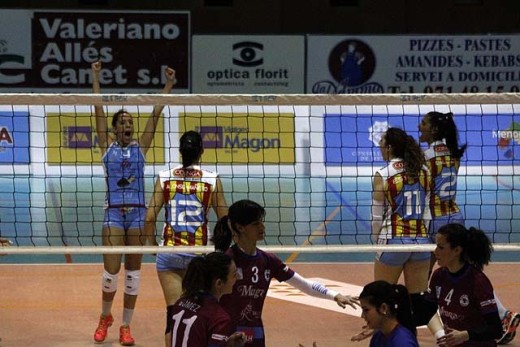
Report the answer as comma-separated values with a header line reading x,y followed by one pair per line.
x,y
406,205
187,196
444,169
124,175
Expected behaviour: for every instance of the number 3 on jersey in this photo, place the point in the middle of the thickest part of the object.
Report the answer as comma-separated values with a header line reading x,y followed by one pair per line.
x,y
187,212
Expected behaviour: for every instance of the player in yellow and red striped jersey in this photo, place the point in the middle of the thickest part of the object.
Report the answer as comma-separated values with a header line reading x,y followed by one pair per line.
x,y
443,156
187,193
401,210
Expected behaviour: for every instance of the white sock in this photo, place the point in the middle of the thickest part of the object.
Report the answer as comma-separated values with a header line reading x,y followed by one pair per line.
x,y
127,316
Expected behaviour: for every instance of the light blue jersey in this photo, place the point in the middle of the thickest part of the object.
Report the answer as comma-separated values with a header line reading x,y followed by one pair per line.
x,y
124,175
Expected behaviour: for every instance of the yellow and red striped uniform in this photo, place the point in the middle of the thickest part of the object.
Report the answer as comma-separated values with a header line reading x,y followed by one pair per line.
x,y
444,169
187,195
406,206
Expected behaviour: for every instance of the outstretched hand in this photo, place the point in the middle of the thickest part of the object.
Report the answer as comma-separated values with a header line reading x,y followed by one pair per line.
x,y
96,66
170,74
237,339
344,300
365,333
452,338
4,243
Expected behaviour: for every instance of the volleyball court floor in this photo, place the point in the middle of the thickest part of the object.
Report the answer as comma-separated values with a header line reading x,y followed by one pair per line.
x,y
58,305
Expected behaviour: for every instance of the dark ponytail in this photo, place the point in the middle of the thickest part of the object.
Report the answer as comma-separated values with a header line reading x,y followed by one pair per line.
x,y
443,127
476,246
222,235
190,147
202,272
242,212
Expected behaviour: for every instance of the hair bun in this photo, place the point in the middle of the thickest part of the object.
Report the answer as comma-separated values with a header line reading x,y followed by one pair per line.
x,y
191,139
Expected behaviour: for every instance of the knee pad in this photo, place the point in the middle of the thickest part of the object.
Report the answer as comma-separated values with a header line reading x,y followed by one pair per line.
x,y
109,282
132,282
169,321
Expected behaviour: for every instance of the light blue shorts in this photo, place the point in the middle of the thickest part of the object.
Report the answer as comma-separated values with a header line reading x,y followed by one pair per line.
x,y
173,261
125,217
400,258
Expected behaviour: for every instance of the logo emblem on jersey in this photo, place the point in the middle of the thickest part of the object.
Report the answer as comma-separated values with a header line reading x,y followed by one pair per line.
x,y
125,164
440,148
247,314
187,173
267,275
398,165
464,300
126,152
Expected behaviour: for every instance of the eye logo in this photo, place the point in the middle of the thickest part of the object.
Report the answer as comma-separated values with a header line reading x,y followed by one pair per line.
x,y
246,53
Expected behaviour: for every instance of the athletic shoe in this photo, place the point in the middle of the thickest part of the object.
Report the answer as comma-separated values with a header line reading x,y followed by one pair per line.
x,y
509,324
125,337
101,332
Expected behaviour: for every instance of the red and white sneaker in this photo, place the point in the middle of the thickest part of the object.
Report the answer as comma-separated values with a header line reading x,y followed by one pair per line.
x,y
509,324
125,336
102,330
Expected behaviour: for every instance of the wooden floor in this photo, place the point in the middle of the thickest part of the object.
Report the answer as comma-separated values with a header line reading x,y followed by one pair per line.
x,y
59,305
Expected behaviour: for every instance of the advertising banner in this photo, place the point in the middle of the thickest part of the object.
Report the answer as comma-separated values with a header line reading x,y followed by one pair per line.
x,y
235,64
14,137
54,50
413,64
353,139
72,139
243,138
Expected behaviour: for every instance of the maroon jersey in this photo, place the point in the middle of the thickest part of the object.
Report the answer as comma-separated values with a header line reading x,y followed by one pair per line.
x,y
463,299
198,324
246,302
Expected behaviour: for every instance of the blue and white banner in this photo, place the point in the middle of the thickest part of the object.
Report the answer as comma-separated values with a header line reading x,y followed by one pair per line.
x,y
14,137
352,139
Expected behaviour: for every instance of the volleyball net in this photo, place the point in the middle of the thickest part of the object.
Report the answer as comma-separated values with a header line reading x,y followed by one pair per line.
x,y
309,159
